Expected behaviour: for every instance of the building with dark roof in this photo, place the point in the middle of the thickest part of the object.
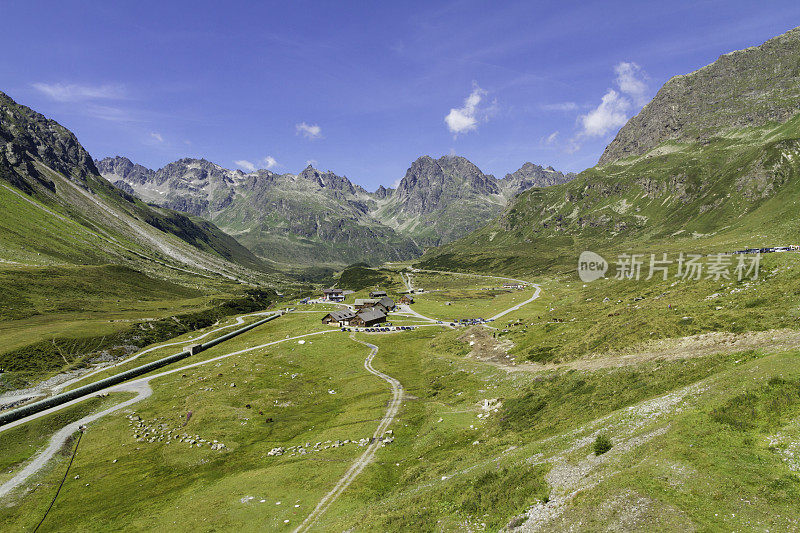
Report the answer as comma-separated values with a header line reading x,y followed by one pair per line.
x,y
333,295
368,317
386,302
339,318
377,294
364,303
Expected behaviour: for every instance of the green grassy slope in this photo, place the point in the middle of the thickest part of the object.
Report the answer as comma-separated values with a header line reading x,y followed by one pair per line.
x,y
83,264
58,188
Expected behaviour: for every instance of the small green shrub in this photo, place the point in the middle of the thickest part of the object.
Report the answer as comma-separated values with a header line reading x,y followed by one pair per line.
x,y
602,444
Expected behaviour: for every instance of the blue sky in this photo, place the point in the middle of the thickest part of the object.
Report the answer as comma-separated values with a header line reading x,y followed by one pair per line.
x,y
361,88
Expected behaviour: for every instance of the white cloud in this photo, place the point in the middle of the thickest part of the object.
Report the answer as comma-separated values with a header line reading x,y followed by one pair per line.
x,y
611,113
246,165
156,137
396,183
616,106
312,162
110,113
631,81
92,100
309,131
465,119
550,139
70,92
249,166
562,106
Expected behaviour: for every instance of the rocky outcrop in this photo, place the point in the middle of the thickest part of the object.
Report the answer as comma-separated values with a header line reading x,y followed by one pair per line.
x,y
530,175
430,184
750,87
124,170
382,192
27,137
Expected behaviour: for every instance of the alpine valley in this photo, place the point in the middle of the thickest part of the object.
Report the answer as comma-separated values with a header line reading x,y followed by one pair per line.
x,y
200,349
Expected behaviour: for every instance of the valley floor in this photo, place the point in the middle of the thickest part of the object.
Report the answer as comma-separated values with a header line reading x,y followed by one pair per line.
x,y
295,426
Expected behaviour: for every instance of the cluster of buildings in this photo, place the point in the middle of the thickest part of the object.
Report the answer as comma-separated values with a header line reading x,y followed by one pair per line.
x,y
366,312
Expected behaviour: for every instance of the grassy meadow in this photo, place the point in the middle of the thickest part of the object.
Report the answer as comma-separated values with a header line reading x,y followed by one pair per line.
x,y
700,439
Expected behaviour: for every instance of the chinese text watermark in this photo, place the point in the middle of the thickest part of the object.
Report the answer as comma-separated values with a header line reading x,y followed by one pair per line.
x,y
592,266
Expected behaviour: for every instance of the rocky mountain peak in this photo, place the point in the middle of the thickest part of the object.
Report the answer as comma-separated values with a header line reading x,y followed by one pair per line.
x,y
750,87
122,168
447,172
26,135
530,175
382,192
327,180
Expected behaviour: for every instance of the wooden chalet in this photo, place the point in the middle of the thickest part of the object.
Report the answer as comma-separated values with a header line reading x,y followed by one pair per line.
x,y
365,303
339,318
386,302
406,299
377,294
367,318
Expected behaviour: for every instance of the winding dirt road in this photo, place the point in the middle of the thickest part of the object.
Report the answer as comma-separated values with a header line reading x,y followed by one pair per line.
x,y
369,454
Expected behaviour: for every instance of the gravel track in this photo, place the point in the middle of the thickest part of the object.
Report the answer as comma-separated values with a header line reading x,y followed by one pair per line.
x,y
369,454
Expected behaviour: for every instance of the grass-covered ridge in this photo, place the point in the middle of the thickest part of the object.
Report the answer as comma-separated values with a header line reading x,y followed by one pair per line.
x,y
728,193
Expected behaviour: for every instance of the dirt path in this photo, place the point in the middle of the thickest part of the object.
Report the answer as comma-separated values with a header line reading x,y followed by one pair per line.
x,y
58,440
407,281
142,388
369,454
489,351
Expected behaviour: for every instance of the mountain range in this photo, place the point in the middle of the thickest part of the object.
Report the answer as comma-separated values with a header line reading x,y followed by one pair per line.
x,y
321,217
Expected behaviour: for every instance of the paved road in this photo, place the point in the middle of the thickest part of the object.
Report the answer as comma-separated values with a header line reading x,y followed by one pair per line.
x,y
514,308
474,275
49,390
239,321
404,309
369,454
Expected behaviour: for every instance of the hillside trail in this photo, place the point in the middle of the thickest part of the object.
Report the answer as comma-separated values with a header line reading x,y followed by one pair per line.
x,y
369,454
489,351
143,390
394,406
